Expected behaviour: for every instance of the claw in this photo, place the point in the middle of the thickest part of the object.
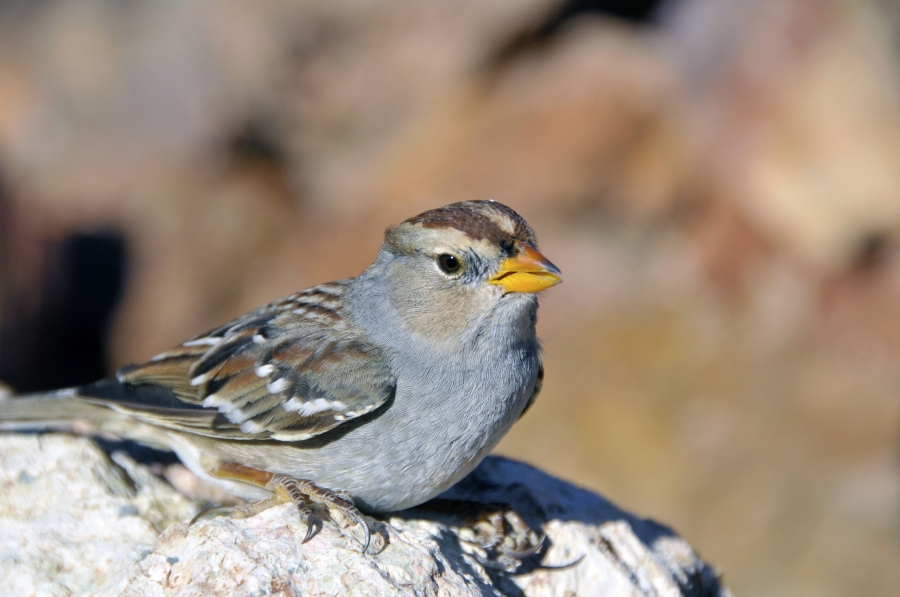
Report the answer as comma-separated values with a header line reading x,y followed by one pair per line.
x,y
499,535
367,532
312,527
212,513
525,553
303,493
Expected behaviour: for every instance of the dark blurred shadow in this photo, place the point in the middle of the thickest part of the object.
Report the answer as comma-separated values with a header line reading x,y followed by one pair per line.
x,y
539,498
538,34
61,340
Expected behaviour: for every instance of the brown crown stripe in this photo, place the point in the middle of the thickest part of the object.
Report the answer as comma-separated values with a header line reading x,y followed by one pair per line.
x,y
478,220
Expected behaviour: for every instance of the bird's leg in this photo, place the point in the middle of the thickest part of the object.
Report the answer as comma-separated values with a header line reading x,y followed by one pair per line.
x,y
494,527
300,492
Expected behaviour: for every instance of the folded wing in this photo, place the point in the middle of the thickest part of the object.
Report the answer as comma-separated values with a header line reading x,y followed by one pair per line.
x,y
289,371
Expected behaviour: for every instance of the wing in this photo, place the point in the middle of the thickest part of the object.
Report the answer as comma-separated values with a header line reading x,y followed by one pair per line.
x,y
288,371
538,384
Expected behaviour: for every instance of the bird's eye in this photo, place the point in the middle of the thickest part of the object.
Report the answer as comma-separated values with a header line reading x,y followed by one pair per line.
x,y
449,264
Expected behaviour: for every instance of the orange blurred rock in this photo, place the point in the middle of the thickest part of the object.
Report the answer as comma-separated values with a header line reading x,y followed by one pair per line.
x,y
800,125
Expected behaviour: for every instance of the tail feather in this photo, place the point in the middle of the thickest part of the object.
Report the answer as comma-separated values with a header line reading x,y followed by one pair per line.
x,y
67,410
52,410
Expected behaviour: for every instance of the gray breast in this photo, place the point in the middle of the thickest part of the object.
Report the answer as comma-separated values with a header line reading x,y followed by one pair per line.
x,y
446,416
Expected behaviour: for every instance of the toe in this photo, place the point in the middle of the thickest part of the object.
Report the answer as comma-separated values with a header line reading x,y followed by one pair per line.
x,y
214,512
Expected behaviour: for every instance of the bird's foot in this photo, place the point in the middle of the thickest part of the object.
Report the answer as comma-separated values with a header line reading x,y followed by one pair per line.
x,y
497,535
300,492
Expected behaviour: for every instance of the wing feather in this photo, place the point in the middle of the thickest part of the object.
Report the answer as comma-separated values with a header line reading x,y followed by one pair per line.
x,y
289,371
538,384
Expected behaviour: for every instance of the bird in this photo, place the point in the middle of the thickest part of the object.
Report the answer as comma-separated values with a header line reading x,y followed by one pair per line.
x,y
369,394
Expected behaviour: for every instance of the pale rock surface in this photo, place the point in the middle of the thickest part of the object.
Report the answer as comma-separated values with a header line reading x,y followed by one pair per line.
x,y
74,522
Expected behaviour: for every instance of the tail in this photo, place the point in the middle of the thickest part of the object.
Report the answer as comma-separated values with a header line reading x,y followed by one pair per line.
x,y
106,406
57,411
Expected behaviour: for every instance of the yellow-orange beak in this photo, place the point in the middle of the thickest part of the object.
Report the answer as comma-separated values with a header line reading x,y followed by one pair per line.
x,y
528,271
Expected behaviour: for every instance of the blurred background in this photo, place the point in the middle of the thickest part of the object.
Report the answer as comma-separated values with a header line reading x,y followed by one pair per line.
x,y
719,181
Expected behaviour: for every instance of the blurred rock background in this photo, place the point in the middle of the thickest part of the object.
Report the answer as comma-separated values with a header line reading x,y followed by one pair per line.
x,y
719,181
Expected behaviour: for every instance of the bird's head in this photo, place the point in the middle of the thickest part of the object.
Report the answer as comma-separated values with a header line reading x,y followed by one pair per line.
x,y
450,268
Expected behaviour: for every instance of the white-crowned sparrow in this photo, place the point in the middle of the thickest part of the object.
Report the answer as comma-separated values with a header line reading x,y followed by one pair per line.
x,y
386,388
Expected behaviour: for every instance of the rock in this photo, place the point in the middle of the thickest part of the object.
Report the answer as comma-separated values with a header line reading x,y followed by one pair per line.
x,y
76,522
72,520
